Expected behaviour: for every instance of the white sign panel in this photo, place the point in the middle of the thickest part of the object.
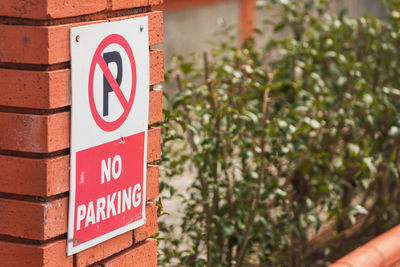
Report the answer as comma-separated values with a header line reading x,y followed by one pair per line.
x,y
109,121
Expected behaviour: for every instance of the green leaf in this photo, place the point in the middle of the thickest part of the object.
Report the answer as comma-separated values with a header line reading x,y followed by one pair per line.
x,y
360,209
369,163
316,221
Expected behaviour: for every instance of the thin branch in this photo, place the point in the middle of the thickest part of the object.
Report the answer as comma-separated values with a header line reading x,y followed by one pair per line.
x,y
215,108
256,198
202,179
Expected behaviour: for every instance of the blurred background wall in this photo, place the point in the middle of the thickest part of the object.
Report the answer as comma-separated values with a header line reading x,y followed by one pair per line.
x,y
188,24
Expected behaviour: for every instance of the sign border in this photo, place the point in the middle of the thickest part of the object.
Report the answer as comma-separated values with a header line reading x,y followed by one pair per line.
x,y
71,250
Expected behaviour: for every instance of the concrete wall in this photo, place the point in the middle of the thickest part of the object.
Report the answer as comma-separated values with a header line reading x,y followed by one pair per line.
x,y
361,7
188,30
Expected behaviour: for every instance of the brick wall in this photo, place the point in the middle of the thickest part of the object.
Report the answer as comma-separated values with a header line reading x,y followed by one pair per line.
x,y
383,251
35,126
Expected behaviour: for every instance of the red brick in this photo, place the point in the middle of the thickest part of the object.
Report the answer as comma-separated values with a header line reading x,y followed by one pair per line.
x,y
35,89
50,44
34,133
48,9
151,226
156,35
363,256
70,8
384,245
48,255
156,66
24,44
54,254
155,2
33,9
141,255
124,4
155,106
152,185
378,252
17,132
57,175
104,250
154,144
34,177
338,264
38,221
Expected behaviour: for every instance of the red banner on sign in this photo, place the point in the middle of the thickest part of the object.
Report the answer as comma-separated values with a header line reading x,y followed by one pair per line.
x,y
109,188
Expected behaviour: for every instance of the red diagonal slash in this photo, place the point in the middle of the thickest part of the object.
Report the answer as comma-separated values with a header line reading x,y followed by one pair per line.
x,y
111,80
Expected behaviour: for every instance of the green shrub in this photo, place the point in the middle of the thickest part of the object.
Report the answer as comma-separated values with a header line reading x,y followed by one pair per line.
x,y
287,139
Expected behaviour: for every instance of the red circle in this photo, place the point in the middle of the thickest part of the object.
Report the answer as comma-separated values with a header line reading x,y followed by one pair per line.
x,y
113,125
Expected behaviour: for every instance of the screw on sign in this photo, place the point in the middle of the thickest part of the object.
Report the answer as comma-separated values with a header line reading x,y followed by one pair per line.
x,y
110,83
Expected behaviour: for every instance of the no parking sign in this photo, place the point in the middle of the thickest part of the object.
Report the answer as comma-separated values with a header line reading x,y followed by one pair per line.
x,y
109,118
